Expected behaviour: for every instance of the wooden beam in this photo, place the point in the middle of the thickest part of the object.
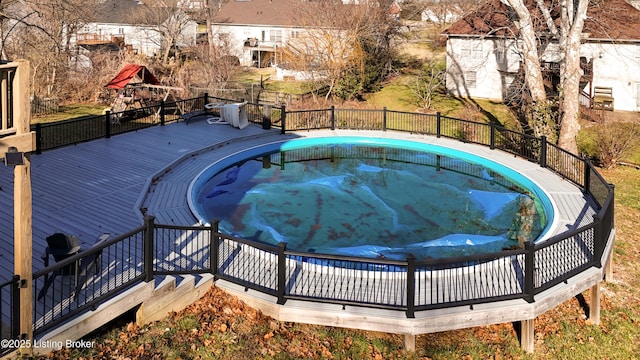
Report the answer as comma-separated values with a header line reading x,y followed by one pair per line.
x,y
527,335
409,342
608,265
168,297
21,100
23,142
594,304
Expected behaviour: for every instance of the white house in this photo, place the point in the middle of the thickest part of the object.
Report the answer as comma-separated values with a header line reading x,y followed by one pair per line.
x,y
441,12
255,29
141,28
483,59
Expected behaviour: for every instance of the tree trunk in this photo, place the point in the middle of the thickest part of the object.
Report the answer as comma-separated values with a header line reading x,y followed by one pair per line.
x,y
569,103
529,49
210,13
541,119
571,25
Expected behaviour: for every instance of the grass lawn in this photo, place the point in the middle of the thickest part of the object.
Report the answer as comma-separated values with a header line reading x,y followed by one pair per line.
x,y
71,111
267,76
397,95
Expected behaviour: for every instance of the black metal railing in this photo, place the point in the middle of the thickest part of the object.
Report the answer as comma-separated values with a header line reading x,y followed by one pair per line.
x,y
83,281
74,131
567,165
10,315
181,249
407,285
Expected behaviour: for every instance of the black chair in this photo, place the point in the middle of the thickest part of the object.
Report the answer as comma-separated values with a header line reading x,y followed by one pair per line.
x,y
90,265
62,246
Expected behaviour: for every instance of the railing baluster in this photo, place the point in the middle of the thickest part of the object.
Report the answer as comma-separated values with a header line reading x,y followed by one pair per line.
x,y
411,286
214,243
282,269
148,248
15,307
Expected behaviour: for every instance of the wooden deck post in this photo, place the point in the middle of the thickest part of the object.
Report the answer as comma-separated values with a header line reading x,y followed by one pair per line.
x,y
23,248
22,200
594,304
409,342
608,268
527,335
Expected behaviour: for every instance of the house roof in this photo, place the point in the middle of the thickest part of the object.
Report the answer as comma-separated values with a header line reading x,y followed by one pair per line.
x,y
258,12
606,19
130,72
127,12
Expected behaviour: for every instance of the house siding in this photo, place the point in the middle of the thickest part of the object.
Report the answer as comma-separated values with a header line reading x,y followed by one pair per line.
x,y
480,68
145,39
494,62
616,66
269,38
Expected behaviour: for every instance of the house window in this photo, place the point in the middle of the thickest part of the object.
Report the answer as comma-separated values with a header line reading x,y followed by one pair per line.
x,y
275,36
470,79
471,51
501,58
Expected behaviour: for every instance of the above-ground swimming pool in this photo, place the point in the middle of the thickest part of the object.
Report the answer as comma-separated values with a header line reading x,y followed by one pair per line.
x,y
371,197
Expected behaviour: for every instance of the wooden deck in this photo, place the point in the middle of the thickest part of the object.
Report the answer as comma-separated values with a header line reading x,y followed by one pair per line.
x,y
93,188
105,186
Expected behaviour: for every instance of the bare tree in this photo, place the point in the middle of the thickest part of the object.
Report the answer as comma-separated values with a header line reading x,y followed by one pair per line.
x,y
39,31
568,35
12,19
169,26
428,82
541,119
211,10
350,45
326,47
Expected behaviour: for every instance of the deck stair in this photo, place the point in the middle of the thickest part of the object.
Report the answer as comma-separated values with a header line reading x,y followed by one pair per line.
x,y
150,301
